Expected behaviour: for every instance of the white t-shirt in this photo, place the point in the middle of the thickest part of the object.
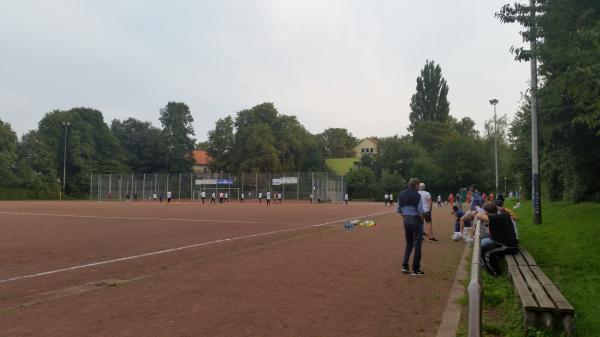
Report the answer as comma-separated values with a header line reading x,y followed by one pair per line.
x,y
425,197
168,194
203,194
260,195
242,196
268,195
386,196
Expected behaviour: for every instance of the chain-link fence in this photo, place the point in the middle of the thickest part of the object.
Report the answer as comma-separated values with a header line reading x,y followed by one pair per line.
x,y
315,186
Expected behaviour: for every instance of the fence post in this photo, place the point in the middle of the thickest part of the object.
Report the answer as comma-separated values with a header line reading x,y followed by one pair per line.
x,y
192,186
144,187
110,186
256,185
242,186
298,186
179,189
475,290
283,185
91,180
99,186
120,185
312,187
229,186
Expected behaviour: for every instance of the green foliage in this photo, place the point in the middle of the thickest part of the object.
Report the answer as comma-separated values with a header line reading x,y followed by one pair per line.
x,y
569,99
338,143
565,247
430,102
176,120
261,139
142,143
361,183
8,154
91,147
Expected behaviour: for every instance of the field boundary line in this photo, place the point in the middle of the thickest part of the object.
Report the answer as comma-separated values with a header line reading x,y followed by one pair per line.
x,y
170,250
133,218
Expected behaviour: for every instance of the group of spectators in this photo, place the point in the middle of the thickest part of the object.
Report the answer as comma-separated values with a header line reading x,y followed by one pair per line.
x,y
500,238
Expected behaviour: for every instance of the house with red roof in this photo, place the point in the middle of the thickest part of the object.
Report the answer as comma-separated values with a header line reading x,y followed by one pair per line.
x,y
202,161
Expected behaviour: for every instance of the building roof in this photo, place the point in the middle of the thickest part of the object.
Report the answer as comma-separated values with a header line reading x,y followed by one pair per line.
x,y
201,157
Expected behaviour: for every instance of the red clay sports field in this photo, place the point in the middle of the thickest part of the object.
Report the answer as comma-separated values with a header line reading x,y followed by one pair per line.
x,y
186,269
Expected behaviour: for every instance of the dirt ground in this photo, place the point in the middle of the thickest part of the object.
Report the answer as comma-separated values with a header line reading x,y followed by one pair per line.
x,y
186,269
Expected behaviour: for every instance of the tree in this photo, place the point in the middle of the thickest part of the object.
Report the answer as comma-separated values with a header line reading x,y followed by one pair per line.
x,y
221,142
360,183
260,154
430,102
142,143
177,120
338,143
8,154
91,147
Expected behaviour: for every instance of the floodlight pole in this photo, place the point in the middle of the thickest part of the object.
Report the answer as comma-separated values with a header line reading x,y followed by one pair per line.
x,y
494,102
66,125
535,166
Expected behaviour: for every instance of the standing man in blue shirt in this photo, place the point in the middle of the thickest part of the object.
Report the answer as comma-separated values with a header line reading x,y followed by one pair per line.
x,y
411,209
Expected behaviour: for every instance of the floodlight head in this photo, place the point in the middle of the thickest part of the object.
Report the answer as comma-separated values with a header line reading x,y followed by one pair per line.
x,y
493,101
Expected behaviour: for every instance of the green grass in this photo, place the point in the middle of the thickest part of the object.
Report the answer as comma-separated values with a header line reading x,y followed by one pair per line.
x,y
341,166
566,247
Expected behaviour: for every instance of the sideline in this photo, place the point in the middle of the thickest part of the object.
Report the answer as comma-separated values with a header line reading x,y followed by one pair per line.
x,y
134,218
133,257
452,313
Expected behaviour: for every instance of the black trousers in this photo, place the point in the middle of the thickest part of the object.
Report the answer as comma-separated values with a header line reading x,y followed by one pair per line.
x,y
413,233
491,255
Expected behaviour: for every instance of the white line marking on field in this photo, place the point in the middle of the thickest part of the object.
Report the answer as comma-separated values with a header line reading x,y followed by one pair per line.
x,y
133,218
93,264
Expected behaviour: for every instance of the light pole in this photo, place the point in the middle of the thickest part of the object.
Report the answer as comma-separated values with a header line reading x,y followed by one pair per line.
x,y
505,186
66,125
494,102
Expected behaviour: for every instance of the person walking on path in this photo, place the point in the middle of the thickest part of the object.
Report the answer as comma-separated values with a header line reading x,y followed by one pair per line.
x,y
426,203
411,209
451,199
391,198
439,200
385,202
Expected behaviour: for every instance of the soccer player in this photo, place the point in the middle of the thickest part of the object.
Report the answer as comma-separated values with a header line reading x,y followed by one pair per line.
x,y
202,196
169,197
426,203
226,197
391,199
221,197
242,197
154,196
268,198
260,197
280,197
346,198
385,196
213,196
439,200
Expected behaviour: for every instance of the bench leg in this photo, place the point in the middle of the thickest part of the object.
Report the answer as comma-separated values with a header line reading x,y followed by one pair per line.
x,y
529,319
547,321
568,324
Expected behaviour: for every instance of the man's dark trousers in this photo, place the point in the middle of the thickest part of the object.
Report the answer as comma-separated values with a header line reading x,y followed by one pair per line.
x,y
413,231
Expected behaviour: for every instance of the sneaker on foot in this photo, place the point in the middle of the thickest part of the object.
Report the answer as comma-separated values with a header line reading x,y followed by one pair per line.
x,y
417,273
405,269
433,239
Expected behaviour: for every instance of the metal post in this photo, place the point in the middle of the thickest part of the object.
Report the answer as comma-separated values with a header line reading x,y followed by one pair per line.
x,y
120,184
66,125
192,186
91,181
110,185
229,186
312,186
493,102
535,168
179,189
283,185
256,185
242,185
298,186
99,186
144,187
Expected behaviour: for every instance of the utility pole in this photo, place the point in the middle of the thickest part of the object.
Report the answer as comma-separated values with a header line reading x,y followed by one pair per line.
x,y
66,125
494,102
535,166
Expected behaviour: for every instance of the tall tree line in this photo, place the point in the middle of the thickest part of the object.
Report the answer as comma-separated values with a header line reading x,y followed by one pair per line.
x,y
567,34
33,166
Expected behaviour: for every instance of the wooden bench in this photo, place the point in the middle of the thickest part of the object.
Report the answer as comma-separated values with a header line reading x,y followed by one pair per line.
x,y
543,304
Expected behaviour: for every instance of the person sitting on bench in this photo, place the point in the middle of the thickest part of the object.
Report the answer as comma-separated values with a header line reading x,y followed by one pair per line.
x,y
502,240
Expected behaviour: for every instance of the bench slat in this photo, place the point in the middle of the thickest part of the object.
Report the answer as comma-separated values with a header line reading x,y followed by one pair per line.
x,y
520,260
536,287
510,260
561,302
525,295
528,258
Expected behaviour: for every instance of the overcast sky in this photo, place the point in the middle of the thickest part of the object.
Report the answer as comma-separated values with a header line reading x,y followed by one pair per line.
x,y
332,63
